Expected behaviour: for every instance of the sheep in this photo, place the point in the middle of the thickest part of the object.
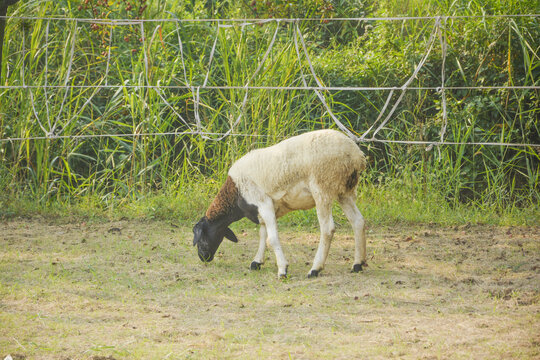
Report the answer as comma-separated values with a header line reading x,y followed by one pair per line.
x,y
305,171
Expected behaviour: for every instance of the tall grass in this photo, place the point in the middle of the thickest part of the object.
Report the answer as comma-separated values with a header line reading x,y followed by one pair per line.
x,y
481,52
173,175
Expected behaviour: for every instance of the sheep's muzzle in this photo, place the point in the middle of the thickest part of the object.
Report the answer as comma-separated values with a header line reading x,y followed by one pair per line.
x,y
205,256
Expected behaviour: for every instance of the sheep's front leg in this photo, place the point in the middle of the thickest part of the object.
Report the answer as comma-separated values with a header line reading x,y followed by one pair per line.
x,y
268,217
259,258
348,204
326,222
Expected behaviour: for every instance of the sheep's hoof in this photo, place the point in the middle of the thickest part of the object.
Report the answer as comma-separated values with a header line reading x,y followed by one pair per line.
x,y
313,273
284,275
358,267
255,265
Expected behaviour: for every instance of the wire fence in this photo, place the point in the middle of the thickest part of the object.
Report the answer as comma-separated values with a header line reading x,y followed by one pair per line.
x,y
53,128
248,21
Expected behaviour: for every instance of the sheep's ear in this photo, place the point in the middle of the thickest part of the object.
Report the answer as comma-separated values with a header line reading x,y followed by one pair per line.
x,y
230,235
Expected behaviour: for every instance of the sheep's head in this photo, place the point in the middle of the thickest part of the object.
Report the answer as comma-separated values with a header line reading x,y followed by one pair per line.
x,y
208,237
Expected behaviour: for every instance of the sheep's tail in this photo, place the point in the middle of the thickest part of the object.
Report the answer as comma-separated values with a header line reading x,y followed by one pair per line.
x,y
363,162
354,176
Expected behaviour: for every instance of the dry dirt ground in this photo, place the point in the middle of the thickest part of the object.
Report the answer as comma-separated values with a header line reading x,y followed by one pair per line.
x,y
137,290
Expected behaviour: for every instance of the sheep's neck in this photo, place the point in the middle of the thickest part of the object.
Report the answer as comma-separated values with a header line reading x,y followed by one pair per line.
x,y
225,204
229,206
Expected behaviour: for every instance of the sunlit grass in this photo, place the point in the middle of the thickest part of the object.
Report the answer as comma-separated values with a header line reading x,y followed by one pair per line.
x,y
176,175
136,289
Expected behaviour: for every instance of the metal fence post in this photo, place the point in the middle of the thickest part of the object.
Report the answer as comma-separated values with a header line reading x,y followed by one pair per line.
x,y
3,11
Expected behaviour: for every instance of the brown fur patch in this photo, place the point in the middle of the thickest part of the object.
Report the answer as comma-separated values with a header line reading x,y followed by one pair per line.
x,y
352,180
224,202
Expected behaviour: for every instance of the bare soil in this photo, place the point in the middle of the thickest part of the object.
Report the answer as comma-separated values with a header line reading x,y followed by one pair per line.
x,y
130,290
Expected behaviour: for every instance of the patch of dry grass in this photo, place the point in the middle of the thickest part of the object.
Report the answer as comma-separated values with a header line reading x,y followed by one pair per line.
x,y
138,290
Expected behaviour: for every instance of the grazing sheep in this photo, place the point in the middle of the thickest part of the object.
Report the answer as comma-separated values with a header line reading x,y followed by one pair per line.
x,y
312,169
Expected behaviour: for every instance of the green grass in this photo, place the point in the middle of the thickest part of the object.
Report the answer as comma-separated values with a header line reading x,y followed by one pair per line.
x,y
385,204
175,176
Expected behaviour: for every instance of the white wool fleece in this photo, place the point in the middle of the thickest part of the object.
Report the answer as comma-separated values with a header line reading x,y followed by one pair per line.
x,y
320,160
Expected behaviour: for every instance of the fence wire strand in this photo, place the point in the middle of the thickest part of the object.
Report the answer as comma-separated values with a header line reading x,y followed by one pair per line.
x,y
438,31
241,22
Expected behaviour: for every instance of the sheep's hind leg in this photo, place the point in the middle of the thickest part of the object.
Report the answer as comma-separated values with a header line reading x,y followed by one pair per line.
x,y
259,258
326,222
348,204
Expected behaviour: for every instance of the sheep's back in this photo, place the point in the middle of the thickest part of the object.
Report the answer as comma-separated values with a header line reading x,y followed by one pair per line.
x,y
327,157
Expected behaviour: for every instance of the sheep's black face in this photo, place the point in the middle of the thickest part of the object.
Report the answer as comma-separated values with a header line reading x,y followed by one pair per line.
x,y
208,237
206,240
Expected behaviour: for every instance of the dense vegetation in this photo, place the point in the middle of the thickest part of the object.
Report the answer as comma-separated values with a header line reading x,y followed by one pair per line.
x,y
108,70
